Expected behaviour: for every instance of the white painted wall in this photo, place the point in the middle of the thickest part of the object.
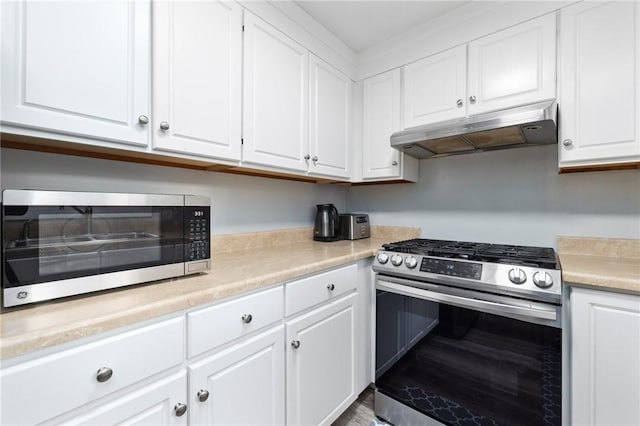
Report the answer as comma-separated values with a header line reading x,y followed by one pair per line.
x,y
240,203
513,196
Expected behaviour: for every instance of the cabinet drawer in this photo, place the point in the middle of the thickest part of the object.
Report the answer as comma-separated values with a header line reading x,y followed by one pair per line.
x,y
40,389
219,324
307,292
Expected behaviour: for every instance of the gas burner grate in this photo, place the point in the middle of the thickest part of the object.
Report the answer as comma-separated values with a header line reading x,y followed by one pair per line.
x,y
541,257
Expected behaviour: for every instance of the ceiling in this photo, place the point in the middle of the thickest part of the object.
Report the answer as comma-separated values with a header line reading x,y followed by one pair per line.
x,y
364,23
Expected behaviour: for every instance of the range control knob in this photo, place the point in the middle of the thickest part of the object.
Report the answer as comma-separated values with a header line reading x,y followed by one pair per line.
x,y
411,262
396,260
517,276
542,279
383,258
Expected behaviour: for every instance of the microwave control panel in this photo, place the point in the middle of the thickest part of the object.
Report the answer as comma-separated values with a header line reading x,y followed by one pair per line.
x,y
198,233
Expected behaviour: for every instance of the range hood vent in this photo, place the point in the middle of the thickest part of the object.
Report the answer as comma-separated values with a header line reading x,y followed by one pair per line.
x,y
527,125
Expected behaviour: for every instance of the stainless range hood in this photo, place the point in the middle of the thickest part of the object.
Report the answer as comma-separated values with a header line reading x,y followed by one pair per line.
x,y
526,125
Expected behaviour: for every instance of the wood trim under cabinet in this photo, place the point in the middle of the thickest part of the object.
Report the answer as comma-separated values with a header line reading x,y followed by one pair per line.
x,y
600,168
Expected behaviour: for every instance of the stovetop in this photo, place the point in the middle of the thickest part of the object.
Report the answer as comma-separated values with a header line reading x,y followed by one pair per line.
x,y
531,273
540,257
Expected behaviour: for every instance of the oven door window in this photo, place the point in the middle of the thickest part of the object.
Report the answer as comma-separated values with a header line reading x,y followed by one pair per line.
x,y
49,243
463,367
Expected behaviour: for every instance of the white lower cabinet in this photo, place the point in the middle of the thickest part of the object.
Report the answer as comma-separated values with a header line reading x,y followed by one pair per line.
x,y
246,364
160,404
605,358
67,380
241,385
321,363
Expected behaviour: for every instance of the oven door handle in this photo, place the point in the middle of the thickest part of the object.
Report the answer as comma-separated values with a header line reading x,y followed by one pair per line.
x,y
482,305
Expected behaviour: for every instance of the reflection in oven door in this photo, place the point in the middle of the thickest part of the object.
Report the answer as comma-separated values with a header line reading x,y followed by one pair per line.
x,y
464,367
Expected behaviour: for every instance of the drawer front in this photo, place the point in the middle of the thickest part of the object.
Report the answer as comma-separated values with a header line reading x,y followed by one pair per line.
x,y
37,390
307,292
220,324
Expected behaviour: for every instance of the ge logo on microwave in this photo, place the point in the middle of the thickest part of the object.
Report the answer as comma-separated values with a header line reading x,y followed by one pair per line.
x,y
22,295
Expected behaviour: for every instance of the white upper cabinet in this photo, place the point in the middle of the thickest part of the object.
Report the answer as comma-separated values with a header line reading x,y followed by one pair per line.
x,y
600,84
329,118
77,68
435,88
275,117
197,72
515,66
381,116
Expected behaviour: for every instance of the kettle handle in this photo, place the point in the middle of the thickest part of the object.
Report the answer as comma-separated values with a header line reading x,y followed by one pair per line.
x,y
336,219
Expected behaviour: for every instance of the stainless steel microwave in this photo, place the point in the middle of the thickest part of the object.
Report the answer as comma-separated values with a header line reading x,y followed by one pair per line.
x,y
57,244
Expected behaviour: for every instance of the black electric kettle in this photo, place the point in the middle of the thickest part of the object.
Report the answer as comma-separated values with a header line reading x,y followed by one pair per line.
x,y
327,226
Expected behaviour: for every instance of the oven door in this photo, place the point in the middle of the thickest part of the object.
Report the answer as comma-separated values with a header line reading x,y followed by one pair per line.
x,y
453,356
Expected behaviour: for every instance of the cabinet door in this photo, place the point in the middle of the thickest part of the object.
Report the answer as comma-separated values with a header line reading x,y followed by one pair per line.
x,y
275,117
381,117
78,68
154,404
605,358
245,383
435,88
329,106
321,363
600,83
513,67
197,77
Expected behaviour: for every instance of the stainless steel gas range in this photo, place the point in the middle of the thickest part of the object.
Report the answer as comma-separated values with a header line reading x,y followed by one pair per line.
x,y
468,334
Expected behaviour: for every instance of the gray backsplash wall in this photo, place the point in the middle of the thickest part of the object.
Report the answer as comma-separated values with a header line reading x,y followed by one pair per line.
x,y
240,203
512,196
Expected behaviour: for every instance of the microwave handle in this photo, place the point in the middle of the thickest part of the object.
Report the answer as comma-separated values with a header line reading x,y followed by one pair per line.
x,y
464,302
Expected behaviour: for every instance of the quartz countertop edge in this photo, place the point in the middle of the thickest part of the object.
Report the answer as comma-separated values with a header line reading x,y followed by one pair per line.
x,y
607,264
233,273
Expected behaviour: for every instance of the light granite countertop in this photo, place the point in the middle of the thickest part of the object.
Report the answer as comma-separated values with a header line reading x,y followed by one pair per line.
x,y
240,263
601,263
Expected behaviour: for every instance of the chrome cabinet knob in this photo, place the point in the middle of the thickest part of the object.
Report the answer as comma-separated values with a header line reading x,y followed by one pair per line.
x,y
472,99
246,318
180,409
104,374
542,279
394,163
164,125
143,119
568,143
331,287
517,276
295,344
315,159
203,395
307,157
459,103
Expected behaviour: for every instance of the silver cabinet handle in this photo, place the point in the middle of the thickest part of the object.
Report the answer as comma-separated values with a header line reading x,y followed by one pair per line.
x,y
104,374
246,318
315,159
307,157
472,99
394,163
203,395
295,344
143,119
459,103
567,143
164,125
331,287
180,409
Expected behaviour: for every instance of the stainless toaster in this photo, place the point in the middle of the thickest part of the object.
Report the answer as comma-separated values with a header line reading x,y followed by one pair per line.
x,y
354,226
